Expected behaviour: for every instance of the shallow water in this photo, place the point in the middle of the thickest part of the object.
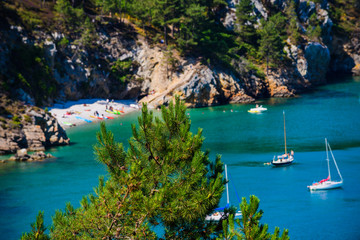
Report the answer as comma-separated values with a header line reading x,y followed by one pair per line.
x,y
245,141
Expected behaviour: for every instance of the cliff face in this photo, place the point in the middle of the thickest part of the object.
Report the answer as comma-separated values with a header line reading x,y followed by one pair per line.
x,y
28,127
90,73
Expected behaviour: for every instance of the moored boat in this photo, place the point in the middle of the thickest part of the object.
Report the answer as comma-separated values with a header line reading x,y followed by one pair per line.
x,y
257,109
328,183
219,212
286,158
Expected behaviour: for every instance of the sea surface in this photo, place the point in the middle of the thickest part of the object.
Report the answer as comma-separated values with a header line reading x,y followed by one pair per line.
x,y
245,141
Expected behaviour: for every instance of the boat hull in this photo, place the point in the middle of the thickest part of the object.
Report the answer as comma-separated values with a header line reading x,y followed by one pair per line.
x,y
282,162
217,216
326,185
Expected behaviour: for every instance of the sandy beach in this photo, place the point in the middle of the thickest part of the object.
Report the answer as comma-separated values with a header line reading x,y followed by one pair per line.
x,y
84,111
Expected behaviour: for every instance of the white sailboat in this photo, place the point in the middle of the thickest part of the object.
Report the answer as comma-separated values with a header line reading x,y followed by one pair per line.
x,y
327,183
286,158
219,212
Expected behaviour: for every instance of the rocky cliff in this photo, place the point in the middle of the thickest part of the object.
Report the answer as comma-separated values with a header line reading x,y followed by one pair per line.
x,y
123,64
94,73
28,127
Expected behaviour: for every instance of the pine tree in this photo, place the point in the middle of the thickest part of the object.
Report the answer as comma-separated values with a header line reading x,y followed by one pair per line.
x,y
246,20
249,226
38,229
271,41
292,27
163,178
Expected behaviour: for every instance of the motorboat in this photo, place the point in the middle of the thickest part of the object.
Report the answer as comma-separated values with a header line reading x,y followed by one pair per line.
x,y
257,109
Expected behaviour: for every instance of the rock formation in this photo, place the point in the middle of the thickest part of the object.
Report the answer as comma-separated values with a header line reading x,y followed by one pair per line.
x,y
30,128
22,155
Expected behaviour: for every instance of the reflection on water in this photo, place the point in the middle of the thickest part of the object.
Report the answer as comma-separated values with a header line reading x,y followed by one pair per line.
x,y
322,195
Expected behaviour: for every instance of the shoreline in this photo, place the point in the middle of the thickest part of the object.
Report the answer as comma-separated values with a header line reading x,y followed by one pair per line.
x,y
73,113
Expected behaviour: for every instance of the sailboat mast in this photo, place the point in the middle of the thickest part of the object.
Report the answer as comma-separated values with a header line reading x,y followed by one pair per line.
x,y
227,187
337,168
284,132
327,158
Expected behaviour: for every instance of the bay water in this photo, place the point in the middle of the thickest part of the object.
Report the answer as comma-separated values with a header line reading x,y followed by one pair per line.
x,y
245,141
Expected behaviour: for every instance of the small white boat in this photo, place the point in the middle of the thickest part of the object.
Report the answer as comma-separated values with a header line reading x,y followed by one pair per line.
x,y
327,183
219,212
286,158
257,109
134,106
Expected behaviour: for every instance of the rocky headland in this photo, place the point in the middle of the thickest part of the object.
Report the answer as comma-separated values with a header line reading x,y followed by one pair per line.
x,y
28,127
123,64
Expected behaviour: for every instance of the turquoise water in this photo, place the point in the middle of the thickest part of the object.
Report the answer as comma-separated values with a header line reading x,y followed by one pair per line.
x,y
245,141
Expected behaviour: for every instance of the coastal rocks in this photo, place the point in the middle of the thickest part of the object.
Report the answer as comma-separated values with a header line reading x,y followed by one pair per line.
x,y
22,155
201,90
35,137
12,140
230,17
318,58
310,64
196,84
37,131
346,54
255,86
282,83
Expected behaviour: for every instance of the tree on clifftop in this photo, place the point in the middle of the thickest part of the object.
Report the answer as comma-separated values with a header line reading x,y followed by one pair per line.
x,y
271,41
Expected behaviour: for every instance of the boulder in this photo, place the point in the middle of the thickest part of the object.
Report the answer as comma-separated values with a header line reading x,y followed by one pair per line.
x,y
317,57
21,152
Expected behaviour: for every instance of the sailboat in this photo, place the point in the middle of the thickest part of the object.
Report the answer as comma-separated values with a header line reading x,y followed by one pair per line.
x,y
327,183
286,158
219,212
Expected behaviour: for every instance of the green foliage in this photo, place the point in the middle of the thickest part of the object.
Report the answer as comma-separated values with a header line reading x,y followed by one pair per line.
x,y
38,229
29,61
345,14
314,30
271,43
108,6
249,226
122,70
172,63
29,18
27,118
64,42
314,33
246,21
16,118
292,28
163,177
68,18
88,35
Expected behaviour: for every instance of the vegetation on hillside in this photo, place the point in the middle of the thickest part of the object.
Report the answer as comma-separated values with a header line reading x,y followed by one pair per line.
x,y
193,27
163,181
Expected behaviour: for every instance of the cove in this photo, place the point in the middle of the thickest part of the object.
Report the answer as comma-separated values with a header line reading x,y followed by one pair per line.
x,y
245,141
